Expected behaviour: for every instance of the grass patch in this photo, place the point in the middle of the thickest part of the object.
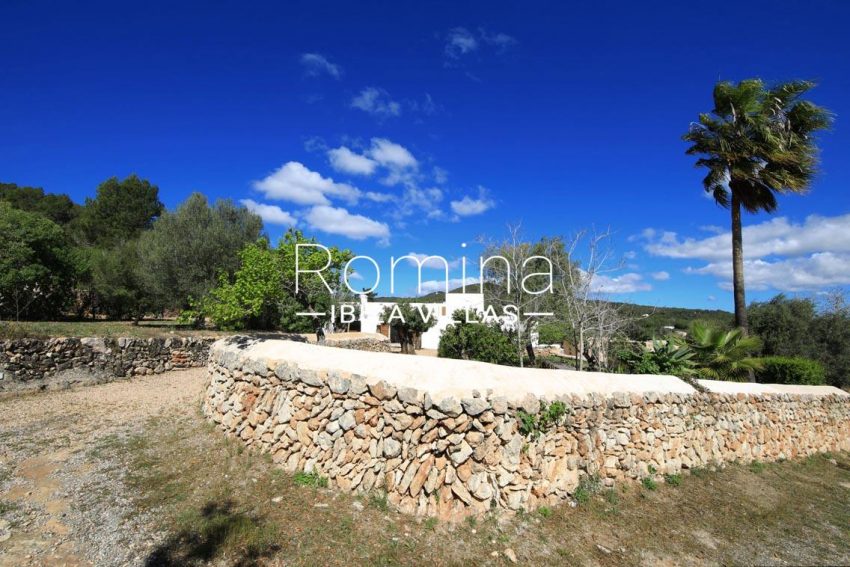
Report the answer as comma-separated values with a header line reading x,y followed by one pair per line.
x,y
213,531
222,506
648,483
311,479
106,329
588,485
6,506
757,467
673,479
378,500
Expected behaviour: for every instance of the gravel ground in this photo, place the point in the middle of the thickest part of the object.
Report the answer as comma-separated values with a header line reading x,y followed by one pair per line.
x,y
62,498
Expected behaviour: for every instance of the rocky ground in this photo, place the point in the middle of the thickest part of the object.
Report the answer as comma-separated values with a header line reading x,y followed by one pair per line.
x,y
62,498
129,473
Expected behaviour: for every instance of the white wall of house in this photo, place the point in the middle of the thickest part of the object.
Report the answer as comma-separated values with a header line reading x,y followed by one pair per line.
x,y
370,315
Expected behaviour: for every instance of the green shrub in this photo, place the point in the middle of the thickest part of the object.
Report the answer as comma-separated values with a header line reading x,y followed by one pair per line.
x,y
476,340
665,357
673,479
649,483
587,487
791,370
311,479
550,415
551,333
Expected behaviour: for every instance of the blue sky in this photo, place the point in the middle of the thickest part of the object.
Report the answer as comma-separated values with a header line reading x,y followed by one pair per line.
x,y
392,128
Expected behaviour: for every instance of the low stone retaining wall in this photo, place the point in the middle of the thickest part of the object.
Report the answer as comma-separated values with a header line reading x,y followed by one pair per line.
x,y
443,437
31,364
366,343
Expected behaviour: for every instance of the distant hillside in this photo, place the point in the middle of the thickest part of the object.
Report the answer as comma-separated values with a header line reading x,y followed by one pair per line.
x,y
647,321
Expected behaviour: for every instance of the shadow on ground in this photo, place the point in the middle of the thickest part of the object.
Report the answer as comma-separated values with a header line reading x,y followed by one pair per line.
x,y
243,342
204,534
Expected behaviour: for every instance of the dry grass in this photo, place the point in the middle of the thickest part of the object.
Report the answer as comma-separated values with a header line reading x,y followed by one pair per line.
x,y
221,502
145,329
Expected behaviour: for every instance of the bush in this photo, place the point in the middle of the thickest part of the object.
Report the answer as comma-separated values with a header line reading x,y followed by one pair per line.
x,y
37,271
476,340
551,333
665,357
791,370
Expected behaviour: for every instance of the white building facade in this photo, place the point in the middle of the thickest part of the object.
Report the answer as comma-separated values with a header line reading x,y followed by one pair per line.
x,y
370,316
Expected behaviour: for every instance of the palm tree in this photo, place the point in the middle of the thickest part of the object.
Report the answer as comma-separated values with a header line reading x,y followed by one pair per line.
x,y
756,143
723,355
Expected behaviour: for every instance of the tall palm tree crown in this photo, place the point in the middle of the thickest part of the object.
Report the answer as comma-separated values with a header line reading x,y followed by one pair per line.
x,y
756,143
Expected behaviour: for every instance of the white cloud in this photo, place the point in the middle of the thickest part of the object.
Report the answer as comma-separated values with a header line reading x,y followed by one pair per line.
x,y
425,201
817,271
440,175
660,276
378,197
501,41
426,106
391,155
778,236
316,65
397,161
626,283
271,214
468,206
296,183
431,262
460,41
344,160
429,286
778,253
377,102
336,220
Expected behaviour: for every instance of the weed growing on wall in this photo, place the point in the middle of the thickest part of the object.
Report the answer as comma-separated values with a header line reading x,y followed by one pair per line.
x,y
549,416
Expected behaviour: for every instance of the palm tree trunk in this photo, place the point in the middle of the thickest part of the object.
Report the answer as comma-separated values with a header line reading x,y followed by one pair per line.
x,y
738,266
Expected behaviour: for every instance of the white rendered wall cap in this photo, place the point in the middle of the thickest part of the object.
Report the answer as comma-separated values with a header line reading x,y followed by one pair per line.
x,y
442,377
721,387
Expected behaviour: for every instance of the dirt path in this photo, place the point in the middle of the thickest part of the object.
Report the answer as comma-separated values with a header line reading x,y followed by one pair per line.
x,y
60,503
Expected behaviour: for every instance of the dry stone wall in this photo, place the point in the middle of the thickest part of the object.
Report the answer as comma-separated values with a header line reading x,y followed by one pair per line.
x,y
452,456
31,364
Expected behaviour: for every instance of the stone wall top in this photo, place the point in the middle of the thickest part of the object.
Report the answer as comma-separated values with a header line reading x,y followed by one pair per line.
x,y
441,377
721,387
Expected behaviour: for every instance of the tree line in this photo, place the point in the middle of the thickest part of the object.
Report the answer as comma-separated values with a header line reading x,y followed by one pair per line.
x,y
122,255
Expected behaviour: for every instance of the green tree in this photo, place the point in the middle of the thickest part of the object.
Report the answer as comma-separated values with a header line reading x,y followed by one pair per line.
x,y
800,327
118,290
262,293
186,251
58,208
785,326
832,335
119,212
251,300
723,355
409,321
757,142
474,339
37,272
